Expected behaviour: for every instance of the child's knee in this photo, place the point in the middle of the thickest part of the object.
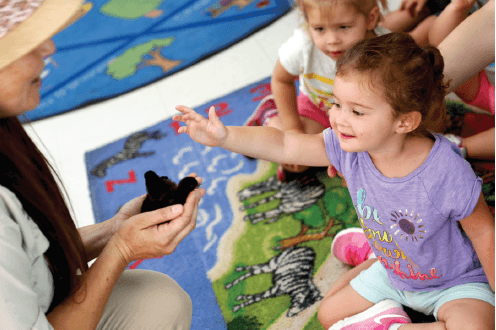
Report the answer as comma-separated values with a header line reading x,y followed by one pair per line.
x,y
467,314
326,313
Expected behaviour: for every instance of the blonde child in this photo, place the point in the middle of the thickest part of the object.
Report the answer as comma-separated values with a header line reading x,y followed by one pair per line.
x,y
310,55
411,189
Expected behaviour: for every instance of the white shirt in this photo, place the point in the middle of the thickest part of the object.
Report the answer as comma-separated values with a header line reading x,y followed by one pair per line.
x,y
26,282
316,71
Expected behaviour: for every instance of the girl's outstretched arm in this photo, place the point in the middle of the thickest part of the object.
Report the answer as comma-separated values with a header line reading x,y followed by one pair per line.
x,y
258,142
479,227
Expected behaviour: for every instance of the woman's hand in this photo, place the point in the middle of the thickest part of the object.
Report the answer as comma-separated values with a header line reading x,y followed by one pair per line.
x,y
210,132
156,233
133,207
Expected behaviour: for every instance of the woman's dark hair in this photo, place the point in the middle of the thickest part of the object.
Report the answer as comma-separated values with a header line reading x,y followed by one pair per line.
x,y
27,173
410,77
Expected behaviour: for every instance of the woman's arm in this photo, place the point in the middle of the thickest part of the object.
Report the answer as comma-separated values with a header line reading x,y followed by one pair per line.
x,y
284,91
95,237
146,235
479,227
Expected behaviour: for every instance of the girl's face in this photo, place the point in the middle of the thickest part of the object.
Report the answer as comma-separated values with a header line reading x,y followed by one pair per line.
x,y
20,81
339,28
361,119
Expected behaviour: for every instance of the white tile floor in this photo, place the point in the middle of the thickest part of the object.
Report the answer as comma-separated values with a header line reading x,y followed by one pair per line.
x,y
66,138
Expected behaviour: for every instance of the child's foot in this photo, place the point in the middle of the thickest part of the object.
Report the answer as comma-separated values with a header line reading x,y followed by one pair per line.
x,y
458,141
351,246
383,315
263,113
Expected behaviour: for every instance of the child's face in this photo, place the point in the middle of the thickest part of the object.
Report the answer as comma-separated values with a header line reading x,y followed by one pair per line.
x,y
337,29
361,119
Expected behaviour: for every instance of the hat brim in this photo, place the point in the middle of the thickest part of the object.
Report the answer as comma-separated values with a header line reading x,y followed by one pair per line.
x,y
51,17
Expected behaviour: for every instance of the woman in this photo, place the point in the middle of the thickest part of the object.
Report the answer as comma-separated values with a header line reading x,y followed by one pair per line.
x,y
46,282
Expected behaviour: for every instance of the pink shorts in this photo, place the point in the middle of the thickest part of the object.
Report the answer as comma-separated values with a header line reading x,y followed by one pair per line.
x,y
306,108
485,97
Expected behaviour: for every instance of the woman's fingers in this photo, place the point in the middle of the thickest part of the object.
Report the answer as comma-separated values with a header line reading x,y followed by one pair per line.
x,y
177,229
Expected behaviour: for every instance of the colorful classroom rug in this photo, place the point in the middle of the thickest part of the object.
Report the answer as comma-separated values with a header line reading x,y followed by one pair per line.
x,y
115,46
248,223
258,241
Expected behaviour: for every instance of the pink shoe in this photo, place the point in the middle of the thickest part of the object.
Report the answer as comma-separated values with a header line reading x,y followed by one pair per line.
x,y
378,317
351,246
265,110
281,174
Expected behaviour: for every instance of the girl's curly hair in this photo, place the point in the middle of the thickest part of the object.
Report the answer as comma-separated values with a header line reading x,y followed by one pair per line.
x,y
408,76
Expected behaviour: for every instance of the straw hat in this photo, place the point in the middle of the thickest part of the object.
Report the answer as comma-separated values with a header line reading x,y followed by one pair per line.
x,y
26,24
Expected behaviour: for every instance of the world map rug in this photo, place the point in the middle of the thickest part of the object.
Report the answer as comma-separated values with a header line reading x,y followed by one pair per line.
x,y
258,242
115,46
260,255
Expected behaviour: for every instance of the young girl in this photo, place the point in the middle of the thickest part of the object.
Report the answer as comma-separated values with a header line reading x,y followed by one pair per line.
x,y
310,55
411,189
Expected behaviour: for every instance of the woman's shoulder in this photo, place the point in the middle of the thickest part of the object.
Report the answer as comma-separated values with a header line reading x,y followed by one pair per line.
x,y
9,204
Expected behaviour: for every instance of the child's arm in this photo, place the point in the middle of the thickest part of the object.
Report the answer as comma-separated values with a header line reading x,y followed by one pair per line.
x,y
479,227
449,19
414,7
283,88
258,142
473,39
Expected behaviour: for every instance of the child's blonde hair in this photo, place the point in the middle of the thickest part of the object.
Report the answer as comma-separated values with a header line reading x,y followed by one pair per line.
x,y
362,6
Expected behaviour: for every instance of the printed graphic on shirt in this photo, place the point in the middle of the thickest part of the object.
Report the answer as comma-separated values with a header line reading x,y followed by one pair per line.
x,y
406,226
321,97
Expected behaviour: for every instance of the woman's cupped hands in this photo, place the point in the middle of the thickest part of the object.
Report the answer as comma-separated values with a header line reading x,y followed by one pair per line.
x,y
156,233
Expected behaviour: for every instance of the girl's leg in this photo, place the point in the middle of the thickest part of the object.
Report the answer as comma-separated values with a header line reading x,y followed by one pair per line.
x,y
467,314
345,303
328,313
143,299
461,314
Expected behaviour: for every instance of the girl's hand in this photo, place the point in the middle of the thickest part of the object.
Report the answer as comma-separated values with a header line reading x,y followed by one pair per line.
x,y
461,5
156,233
414,7
210,132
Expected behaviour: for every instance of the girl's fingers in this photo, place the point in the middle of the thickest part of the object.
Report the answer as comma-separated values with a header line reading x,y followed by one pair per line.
x,y
183,109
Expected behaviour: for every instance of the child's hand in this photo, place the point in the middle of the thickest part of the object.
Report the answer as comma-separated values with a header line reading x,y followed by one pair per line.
x,y
210,132
414,7
462,5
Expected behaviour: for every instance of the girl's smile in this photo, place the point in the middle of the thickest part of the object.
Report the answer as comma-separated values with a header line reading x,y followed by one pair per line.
x,y
346,136
361,119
